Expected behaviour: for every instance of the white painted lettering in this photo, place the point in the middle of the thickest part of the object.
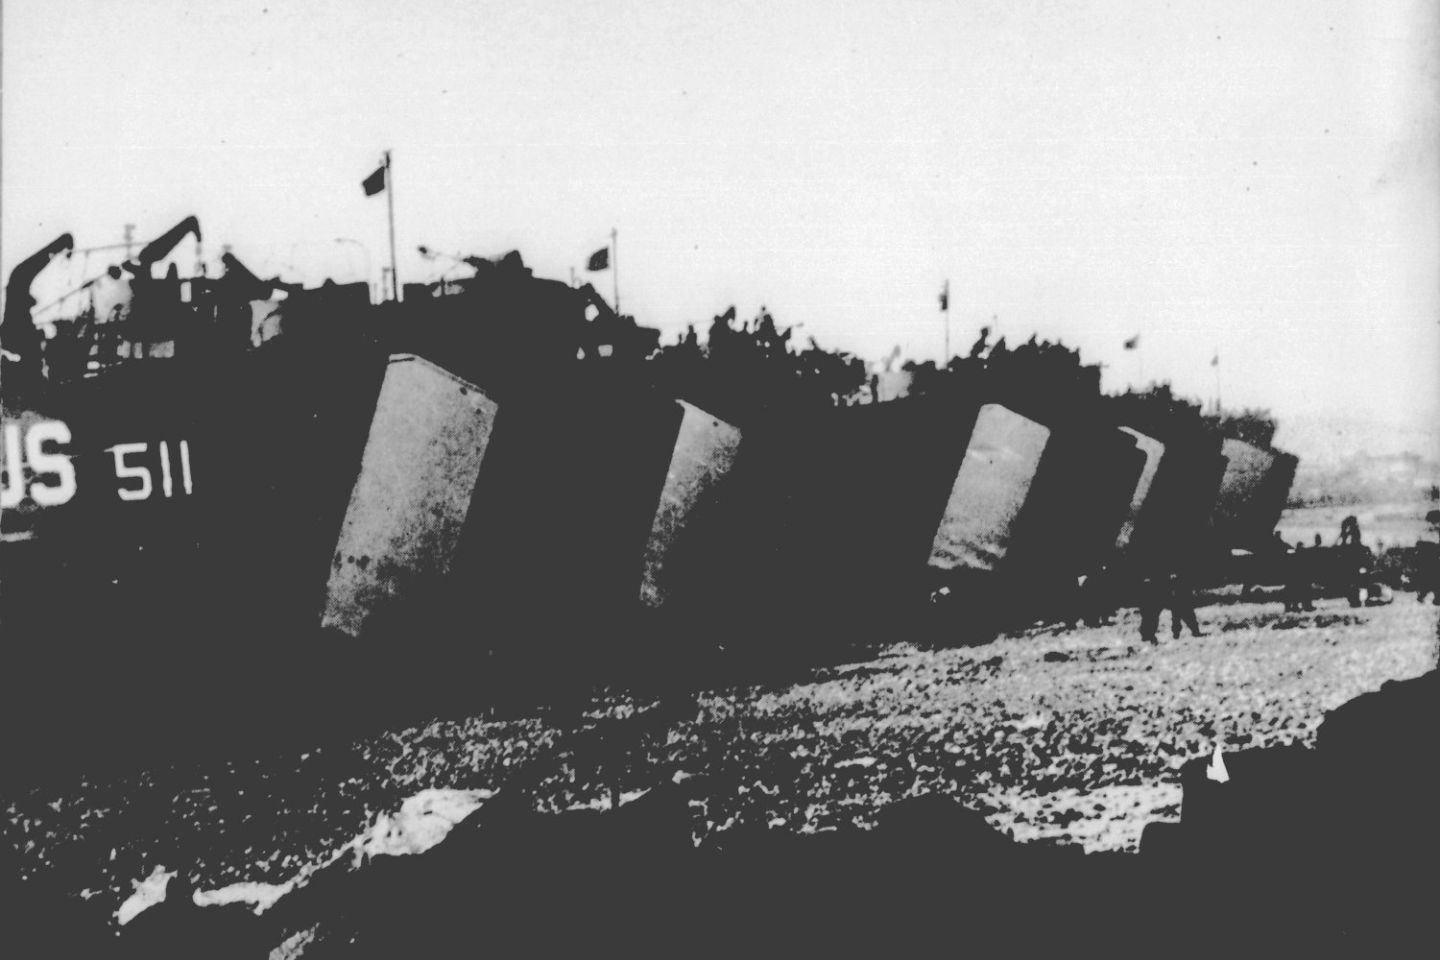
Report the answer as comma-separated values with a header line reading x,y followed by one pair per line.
x,y
124,471
14,489
57,465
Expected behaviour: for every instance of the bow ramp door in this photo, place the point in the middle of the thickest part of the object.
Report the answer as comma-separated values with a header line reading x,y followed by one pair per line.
x,y
990,489
427,442
703,456
1154,451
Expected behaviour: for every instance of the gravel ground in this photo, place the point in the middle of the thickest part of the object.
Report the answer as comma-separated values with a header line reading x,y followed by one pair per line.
x,y
1073,736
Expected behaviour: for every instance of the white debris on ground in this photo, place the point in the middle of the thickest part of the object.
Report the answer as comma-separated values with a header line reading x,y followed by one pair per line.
x,y
422,821
603,802
1216,770
294,945
148,892
261,896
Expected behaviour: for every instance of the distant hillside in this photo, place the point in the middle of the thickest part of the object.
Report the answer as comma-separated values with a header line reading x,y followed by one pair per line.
x,y
1366,478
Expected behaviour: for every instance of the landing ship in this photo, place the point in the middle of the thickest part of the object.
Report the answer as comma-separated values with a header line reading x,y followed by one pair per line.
x,y
242,511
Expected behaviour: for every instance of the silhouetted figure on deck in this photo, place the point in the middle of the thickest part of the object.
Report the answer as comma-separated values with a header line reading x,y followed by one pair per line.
x,y
981,344
1349,532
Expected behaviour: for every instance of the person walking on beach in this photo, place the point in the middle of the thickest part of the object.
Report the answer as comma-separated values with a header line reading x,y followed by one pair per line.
x,y
1173,591
1152,601
1182,606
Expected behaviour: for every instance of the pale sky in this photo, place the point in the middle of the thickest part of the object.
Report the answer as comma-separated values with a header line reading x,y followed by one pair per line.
x,y
1257,179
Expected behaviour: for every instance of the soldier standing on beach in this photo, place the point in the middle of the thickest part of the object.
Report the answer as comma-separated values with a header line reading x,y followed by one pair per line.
x,y
1152,601
1182,606
1173,591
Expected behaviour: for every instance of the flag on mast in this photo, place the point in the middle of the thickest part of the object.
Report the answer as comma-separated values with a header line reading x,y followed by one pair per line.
x,y
945,296
379,182
374,183
1133,343
599,260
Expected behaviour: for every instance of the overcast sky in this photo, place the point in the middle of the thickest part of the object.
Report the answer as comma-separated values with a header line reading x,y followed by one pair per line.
x,y
1259,180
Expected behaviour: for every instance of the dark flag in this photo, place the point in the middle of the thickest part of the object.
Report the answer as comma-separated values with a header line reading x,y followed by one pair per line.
x,y
374,183
599,260
1215,360
945,296
1133,342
